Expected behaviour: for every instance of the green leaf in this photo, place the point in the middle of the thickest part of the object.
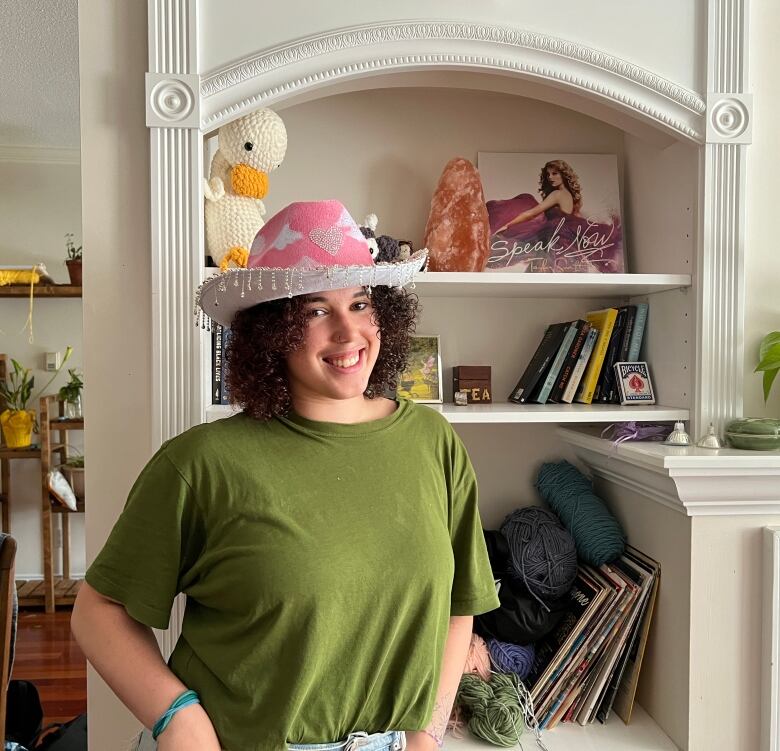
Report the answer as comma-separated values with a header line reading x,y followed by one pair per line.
x,y
770,341
770,359
769,377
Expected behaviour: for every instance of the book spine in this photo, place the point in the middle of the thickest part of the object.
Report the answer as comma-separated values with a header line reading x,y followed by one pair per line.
x,y
538,365
607,376
557,364
622,354
634,348
588,385
572,357
223,394
579,368
216,364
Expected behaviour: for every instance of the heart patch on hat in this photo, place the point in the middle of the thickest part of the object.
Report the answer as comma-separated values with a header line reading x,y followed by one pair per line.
x,y
329,239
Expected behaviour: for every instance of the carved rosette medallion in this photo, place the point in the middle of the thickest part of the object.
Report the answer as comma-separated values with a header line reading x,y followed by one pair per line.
x,y
728,118
172,100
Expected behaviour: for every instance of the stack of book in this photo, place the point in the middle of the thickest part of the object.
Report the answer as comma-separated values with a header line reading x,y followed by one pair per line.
x,y
590,663
220,337
575,359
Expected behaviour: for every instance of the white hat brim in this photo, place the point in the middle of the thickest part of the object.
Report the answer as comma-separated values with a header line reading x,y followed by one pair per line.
x,y
221,296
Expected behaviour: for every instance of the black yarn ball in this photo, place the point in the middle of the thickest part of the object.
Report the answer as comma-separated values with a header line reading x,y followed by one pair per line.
x,y
542,551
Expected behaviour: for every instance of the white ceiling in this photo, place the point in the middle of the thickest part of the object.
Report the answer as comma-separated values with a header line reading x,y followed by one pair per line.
x,y
39,83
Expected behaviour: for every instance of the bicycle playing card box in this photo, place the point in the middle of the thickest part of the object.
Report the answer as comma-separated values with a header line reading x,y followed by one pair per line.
x,y
633,383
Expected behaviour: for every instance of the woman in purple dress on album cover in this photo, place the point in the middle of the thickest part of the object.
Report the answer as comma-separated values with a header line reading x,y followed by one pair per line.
x,y
552,235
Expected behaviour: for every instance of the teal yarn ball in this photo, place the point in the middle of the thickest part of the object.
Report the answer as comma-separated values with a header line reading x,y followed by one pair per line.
x,y
598,536
494,708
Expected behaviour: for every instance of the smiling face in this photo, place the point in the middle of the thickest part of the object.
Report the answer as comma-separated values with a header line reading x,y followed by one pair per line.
x,y
340,348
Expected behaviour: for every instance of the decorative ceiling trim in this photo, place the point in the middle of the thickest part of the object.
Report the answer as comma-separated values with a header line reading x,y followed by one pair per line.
x,y
39,155
500,48
372,34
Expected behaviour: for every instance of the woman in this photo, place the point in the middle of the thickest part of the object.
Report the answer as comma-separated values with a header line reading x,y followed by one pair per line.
x,y
561,194
328,538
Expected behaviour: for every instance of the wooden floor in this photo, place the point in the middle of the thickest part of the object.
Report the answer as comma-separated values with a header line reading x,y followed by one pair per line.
x,y
47,655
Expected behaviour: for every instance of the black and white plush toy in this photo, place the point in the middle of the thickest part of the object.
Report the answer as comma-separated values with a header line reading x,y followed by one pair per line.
x,y
384,247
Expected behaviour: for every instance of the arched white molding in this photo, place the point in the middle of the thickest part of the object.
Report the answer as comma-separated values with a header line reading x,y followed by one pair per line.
x,y
273,75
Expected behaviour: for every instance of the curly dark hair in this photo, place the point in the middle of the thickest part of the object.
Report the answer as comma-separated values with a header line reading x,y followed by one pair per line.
x,y
262,336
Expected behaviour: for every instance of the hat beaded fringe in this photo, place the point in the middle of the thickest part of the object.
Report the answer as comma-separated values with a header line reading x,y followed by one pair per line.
x,y
400,276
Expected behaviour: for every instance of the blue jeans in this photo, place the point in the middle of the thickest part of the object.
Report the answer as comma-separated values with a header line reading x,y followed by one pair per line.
x,y
392,740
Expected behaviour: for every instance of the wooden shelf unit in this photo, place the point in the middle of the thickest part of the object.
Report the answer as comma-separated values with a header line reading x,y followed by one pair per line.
x,y
40,290
56,591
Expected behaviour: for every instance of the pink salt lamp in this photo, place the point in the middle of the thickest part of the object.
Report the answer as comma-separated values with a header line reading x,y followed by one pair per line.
x,y
457,234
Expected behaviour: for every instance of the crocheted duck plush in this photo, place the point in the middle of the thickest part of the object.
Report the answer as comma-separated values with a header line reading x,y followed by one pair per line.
x,y
249,148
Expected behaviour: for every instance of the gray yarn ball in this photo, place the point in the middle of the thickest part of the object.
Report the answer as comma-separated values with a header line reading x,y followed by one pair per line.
x,y
543,554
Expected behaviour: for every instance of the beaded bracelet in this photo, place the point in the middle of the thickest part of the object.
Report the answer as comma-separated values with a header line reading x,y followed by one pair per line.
x,y
439,741
185,700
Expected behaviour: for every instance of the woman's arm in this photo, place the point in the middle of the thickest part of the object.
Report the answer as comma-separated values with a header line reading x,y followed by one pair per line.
x,y
553,199
126,655
456,651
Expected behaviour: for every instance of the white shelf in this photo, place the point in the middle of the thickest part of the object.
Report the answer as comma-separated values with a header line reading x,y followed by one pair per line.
x,y
641,735
512,284
504,412
499,412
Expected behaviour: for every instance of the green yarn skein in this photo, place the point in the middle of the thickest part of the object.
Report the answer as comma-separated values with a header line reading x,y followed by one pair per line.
x,y
598,536
496,715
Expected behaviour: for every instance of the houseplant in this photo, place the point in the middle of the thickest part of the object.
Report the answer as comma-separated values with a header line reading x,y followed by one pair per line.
x,y
73,261
760,433
17,421
70,394
769,360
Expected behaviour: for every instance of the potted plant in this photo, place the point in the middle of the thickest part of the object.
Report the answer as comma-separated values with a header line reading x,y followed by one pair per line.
x,y
70,394
760,433
769,360
73,469
17,421
73,261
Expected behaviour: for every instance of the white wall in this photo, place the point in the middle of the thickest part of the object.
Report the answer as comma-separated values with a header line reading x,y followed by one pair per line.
x,y
762,284
39,203
117,304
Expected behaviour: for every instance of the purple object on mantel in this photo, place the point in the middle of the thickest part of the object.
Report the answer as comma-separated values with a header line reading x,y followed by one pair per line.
x,y
637,431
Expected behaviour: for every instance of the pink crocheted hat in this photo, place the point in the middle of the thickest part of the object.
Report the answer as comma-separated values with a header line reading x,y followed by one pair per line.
x,y
306,247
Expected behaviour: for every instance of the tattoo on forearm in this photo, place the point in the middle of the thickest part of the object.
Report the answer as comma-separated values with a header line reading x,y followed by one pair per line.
x,y
441,715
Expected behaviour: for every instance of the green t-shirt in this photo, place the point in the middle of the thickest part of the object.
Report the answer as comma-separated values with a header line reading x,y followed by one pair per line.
x,y
321,562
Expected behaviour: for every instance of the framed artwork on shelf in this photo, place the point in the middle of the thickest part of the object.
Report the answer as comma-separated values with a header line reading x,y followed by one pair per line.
x,y
553,212
421,381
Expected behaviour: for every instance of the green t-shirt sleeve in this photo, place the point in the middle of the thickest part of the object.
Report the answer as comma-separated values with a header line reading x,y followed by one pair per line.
x,y
151,545
473,588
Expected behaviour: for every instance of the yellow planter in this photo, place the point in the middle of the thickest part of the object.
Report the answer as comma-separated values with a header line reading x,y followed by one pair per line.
x,y
17,427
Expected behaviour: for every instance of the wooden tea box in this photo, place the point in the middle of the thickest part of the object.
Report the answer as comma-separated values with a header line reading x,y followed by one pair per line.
x,y
474,379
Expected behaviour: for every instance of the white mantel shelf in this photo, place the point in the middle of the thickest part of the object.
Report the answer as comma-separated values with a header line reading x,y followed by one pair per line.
x,y
691,480
505,412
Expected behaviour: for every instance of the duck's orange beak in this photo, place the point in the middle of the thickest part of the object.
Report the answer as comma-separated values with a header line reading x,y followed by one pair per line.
x,y
247,181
